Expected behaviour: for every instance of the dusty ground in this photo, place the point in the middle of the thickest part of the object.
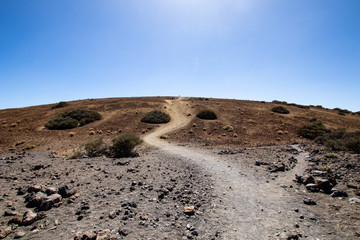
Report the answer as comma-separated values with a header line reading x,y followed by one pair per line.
x,y
238,192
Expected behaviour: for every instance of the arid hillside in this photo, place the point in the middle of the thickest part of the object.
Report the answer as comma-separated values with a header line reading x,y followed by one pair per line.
x,y
250,123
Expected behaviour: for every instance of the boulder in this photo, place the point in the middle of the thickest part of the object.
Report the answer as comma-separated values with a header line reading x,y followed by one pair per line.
x,y
354,200
50,201
309,201
324,185
5,232
51,190
89,235
312,187
35,199
308,179
338,193
30,217
64,191
189,210
34,188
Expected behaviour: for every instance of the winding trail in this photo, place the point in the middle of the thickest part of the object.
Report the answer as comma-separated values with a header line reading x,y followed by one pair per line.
x,y
246,205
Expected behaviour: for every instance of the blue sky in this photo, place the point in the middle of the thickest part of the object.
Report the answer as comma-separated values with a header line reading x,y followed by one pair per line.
x,y
302,51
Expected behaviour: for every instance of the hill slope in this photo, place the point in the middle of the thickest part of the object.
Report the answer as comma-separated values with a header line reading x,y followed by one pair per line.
x,y
253,123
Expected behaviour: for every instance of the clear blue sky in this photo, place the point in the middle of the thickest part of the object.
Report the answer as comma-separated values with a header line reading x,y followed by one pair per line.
x,y
302,51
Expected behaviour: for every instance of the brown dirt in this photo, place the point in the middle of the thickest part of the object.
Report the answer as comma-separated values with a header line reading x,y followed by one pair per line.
x,y
234,198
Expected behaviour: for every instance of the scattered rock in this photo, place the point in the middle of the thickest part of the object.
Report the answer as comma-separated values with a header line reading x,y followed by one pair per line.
x,y
309,201
189,210
89,235
49,201
112,215
308,179
5,232
64,191
312,187
34,199
339,193
354,200
123,232
19,234
30,217
34,188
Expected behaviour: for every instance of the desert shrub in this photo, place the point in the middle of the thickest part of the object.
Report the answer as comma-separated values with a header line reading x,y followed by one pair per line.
x,y
344,112
156,117
280,109
330,155
95,148
341,140
124,144
313,131
60,105
207,114
29,147
228,128
313,120
72,119
279,102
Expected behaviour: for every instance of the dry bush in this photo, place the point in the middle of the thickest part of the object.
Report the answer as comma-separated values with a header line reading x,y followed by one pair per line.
x,y
156,117
207,114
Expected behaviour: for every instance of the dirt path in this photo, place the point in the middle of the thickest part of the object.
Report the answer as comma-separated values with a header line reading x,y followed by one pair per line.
x,y
246,205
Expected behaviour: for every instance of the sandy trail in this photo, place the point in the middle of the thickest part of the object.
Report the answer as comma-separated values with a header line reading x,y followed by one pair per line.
x,y
246,206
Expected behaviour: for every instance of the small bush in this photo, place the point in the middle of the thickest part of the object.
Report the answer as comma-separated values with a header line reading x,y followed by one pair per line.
x,y
341,140
72,119
29,147
228,128
207,114
95,148
330,155
280,109
156,117
325,168
312,131
60,105
124,144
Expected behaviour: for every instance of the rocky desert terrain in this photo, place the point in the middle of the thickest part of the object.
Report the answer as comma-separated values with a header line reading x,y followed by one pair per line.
x,y
193,178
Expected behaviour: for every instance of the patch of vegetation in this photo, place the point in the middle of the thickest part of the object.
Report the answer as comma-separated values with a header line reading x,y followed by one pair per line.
x,y
95,148
279,102
29,147
156,117
72,119
207,114
344,112
341,140
325,168
330,156
312,131
280,109
60,105
299,106
124,144
228,128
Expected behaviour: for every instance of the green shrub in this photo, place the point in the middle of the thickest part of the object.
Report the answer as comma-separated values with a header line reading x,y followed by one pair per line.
x,y
330,155
280,109
228,128
341,140
60,105
312,131
72,119
124,144
95,148
29,147
207,114
156,117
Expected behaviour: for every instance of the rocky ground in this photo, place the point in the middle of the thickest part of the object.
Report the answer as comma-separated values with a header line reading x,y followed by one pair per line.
x,y
157,196
184,186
